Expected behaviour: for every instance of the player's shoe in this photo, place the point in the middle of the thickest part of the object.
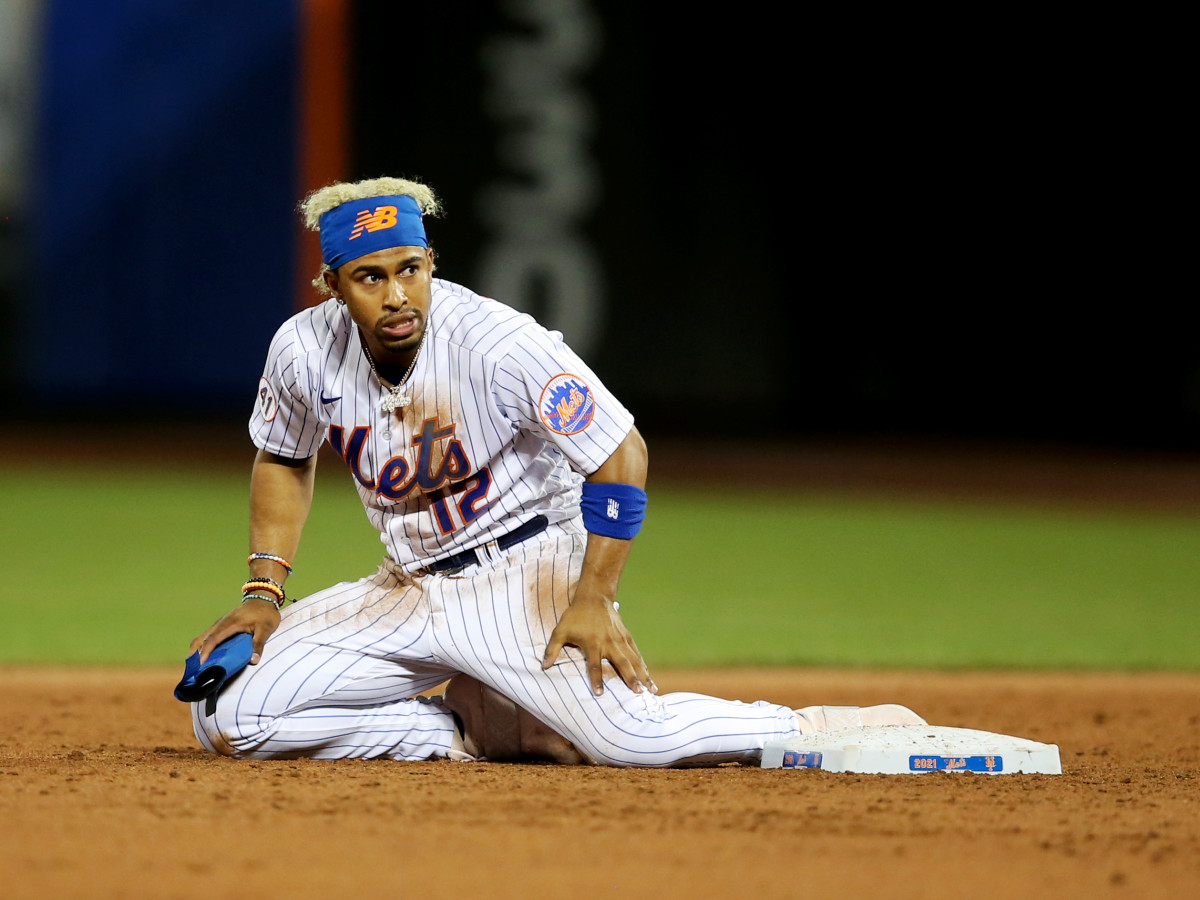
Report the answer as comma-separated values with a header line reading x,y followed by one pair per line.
x,y
833,718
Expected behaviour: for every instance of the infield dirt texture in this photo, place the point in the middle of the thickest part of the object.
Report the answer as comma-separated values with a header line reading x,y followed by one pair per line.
x,y
105,794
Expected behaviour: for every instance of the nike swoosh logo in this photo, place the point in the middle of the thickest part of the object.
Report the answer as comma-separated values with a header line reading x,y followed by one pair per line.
x,y
325,399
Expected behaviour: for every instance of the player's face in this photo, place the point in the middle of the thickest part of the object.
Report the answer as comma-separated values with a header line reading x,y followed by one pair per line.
x,y
388,294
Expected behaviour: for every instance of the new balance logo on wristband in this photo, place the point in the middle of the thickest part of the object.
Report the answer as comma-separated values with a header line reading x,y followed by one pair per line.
x,y
612,510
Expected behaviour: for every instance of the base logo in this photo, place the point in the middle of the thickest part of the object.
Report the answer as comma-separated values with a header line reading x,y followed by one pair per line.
x,y
956,764
794,759
567,404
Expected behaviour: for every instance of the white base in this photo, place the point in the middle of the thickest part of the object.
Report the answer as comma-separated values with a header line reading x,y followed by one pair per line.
x,y
911,749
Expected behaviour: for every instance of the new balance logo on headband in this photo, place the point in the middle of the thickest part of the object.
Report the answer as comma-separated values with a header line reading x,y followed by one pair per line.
x,y
383,217
349,232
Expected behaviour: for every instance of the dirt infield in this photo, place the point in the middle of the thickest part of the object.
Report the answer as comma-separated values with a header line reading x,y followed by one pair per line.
x,y
103,793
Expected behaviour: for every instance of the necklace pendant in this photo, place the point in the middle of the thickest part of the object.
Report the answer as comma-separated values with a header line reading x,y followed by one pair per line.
x,y
393,401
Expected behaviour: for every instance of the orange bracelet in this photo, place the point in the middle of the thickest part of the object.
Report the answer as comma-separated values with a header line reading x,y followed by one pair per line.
x,y
266,584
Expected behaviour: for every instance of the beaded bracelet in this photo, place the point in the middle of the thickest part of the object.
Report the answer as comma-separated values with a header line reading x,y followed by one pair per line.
x,y
278,604
271,556
266,584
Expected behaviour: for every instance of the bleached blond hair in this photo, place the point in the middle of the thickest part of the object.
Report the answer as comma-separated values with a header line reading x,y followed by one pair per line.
x,y
334,195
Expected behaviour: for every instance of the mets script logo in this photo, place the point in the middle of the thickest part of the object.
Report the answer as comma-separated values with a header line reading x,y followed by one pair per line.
x,y
567,404
267,404
383,217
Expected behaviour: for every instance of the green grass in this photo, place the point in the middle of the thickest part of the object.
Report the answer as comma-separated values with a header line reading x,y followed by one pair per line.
x,y
123,568
126,568
850,582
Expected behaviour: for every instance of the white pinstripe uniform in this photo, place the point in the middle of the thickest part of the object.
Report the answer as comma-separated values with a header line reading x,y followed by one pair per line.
x,y
476,454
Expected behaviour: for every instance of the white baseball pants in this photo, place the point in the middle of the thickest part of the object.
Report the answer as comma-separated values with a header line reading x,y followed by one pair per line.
x,y
338,679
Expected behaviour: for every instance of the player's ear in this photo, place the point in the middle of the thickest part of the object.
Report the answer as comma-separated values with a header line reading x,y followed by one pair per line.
x,y
331,282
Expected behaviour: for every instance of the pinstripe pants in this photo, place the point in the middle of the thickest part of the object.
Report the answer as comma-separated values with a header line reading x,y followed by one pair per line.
x,y
338,678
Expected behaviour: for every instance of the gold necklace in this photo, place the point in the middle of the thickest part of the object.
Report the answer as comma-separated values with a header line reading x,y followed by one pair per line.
x,y
394,399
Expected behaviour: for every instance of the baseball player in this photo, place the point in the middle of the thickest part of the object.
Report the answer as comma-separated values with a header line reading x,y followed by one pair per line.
x,y
507,485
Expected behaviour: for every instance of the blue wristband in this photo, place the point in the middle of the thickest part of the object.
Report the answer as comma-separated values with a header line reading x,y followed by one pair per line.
x,y
613,510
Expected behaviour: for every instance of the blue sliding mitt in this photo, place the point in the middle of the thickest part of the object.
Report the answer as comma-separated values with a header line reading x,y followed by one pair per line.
x,y
231,656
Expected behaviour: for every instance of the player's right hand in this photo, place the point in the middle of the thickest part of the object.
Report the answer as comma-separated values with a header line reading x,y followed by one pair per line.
x,y
593,625
255,617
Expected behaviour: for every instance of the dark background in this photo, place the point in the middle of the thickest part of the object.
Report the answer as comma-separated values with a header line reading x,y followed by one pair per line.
x,y
804,227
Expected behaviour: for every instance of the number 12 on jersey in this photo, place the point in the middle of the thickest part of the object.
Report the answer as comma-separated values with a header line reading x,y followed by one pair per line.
x,y
470,505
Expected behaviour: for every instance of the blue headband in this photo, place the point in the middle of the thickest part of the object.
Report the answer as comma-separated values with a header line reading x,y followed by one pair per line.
x,y
360,227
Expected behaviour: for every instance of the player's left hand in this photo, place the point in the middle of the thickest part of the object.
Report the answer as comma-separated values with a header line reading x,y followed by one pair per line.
x,y
258,618
594,626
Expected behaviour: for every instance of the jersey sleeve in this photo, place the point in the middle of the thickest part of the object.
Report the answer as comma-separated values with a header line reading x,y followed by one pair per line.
x,y
284,422
542,385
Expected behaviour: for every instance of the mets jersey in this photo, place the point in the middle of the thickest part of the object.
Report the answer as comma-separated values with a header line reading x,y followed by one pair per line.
x,y
505,421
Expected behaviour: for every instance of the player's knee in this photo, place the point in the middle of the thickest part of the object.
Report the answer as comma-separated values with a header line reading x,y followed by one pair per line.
x,y
221,734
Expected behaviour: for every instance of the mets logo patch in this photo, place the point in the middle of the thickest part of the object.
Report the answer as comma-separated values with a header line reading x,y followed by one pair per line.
x,y
267,404
567,404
